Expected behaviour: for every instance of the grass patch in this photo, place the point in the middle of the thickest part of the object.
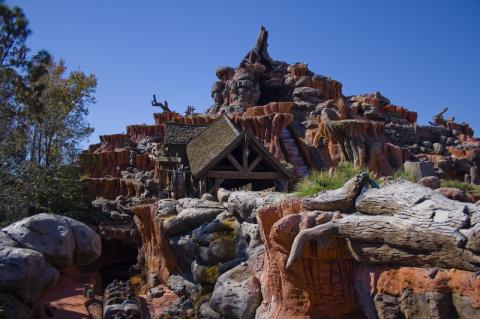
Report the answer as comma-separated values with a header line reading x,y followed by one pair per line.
x,y
466,187
318,181
401,174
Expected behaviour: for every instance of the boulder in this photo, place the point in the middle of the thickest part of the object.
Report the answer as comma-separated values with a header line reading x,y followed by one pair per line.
x,y
88,246
243,204
432,182
453,193
49,234
419,169
25,273
62,240
189,219
6,240
237,294
12,308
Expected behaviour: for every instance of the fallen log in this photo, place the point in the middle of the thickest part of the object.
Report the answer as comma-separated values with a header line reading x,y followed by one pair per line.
x,y
403,223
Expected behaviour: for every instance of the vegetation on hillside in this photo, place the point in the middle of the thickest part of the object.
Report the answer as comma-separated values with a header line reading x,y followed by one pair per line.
x,y
43,111
318,181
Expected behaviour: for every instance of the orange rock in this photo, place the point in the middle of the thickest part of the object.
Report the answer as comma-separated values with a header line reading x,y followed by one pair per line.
x,y
320,285
138,132
159,258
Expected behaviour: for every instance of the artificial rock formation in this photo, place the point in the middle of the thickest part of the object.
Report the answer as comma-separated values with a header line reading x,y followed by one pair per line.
x,y
401,251
34,252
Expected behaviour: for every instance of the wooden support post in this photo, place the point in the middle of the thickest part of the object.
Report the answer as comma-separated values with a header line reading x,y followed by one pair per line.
x,y
284,185
245,155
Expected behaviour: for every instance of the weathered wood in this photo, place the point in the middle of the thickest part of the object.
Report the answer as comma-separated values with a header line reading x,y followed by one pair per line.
x,y
234,162
342,199
403,223
255,162
240,175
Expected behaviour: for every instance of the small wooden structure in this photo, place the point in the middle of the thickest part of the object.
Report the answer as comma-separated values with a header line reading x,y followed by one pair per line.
x,y
223,156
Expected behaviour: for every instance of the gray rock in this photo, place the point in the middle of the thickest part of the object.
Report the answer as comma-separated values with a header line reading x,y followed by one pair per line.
x,y
179,285
427,144
188,219
88,245
387,307
419,169
184,249
426,305
307,94
12,308
432,182
463,306
237,294
251,235
156,292
185,203
208,197
243,204
166,207
6,240
47,233
25,273
206,312
438,148
223,195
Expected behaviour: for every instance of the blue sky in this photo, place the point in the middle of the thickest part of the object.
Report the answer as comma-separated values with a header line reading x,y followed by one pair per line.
x,y
421,54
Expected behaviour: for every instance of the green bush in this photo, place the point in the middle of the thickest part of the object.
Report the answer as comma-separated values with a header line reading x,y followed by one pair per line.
x,y
318,181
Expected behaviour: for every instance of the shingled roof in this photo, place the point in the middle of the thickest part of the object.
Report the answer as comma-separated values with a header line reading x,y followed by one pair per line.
x,y
210,143
213,143
178,133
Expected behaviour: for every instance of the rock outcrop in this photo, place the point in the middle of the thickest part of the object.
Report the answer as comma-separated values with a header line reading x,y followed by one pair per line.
x,y
33,253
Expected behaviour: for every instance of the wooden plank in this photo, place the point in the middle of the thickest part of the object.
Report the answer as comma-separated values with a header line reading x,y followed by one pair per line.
x,y
240,175
234,162
255,163
245,154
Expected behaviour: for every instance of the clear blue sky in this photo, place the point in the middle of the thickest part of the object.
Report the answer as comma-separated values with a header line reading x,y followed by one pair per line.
x,y
421,54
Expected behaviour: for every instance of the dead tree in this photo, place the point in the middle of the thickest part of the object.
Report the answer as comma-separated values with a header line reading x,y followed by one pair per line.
x,y
259,53
401,223
163,105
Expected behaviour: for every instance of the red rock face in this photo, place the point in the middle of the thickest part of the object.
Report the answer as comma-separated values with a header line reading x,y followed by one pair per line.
x,y
359,141
138,132
105,163
159,258
111,188
320,285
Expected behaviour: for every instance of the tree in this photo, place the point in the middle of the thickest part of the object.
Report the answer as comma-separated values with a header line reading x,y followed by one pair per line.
x,y
43,111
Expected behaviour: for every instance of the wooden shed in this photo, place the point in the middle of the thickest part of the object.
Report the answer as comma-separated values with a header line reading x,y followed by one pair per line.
x,y
223,156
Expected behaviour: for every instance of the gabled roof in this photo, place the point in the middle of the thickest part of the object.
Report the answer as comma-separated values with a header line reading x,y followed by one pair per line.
x,y
178,133
217,141
210,143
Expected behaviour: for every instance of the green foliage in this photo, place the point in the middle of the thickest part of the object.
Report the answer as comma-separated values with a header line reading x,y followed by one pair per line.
x,y
43,111
401,174
466,187
317,181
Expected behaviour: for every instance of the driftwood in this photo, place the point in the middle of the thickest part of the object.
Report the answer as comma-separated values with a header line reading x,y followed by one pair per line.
x,y
403,223
342,199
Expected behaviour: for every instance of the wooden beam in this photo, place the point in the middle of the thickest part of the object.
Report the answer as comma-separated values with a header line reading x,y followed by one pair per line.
x,y
240,175
255,163
234,162
245,154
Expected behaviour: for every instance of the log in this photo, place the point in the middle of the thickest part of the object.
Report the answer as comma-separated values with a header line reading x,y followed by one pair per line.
x,y
403,223
342,199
